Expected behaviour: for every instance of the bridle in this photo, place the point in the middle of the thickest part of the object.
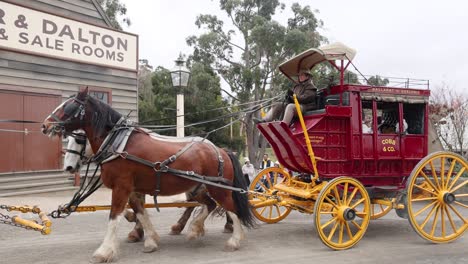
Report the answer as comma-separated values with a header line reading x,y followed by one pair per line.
x,y
80,139
71,111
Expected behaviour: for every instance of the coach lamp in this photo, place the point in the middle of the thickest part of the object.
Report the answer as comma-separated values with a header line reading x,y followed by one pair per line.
x,y
180,76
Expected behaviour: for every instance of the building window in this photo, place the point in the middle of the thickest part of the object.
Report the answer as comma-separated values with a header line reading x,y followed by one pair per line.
x,y
101,96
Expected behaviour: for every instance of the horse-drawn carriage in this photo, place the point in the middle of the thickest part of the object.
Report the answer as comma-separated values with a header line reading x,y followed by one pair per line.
x,y
363,152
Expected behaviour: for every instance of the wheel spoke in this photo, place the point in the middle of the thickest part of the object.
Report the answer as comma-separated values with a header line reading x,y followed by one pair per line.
x,y
340,235
456,178
424,208
345,193
449,173
460,204
358,202
337,195
442,220
262,185
278,210
351,196
423,199
442,171
348,229
428,180
428,216
459,186
263,210
450,219
332,232
331,202
361,214
356,225
457,213
434,223
328,223
425,190
268,177
271,212
372,209
434,175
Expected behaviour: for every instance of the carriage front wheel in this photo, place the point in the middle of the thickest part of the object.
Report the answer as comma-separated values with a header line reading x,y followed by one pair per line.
x,y
342,213
437,197
265,206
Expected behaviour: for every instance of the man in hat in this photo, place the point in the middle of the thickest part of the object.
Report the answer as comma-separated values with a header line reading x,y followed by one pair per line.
x,y
306,93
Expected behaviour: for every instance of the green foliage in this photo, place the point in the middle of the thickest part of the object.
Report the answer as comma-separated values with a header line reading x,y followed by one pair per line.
x,y
114,9
201,97
377,81
250,67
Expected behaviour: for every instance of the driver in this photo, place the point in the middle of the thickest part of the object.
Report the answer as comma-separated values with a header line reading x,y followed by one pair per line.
x,y
305,91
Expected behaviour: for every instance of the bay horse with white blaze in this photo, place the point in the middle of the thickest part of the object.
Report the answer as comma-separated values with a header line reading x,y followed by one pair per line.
x,y
151,166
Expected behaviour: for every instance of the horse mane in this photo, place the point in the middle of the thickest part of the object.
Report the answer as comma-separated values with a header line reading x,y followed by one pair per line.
x,y
104,117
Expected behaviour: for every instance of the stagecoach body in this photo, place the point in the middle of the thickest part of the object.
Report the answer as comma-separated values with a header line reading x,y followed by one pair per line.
x,y
346,173
339,143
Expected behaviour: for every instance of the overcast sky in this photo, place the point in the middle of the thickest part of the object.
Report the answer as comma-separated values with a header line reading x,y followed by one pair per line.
x,y
400,38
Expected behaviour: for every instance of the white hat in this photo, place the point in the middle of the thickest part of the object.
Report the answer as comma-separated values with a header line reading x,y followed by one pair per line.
x,y
246,159
277,162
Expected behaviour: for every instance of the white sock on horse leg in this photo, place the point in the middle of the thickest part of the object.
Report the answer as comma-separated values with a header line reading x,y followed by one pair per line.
x,y
152,238
197,226
108,249
237,234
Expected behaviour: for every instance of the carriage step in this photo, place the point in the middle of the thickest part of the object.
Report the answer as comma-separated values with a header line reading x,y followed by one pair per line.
x,y
299,191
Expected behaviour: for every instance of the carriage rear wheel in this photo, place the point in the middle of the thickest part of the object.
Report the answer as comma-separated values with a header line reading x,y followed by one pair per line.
x,y
264,206
380,210
342,213
438,197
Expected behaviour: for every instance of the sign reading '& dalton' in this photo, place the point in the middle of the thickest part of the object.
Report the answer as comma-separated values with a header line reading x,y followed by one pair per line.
x,y
31,31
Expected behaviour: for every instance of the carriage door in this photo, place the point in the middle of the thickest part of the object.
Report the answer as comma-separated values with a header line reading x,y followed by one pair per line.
x,y
413,138
388,137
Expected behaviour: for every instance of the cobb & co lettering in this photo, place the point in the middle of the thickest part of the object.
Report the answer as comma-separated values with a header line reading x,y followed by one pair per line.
x,y
36,32
388,145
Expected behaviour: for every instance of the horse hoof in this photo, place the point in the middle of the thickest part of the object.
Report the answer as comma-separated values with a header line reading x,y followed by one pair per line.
x,y
228,229
101,259
130,216
232,245
150,246
176,229
135,236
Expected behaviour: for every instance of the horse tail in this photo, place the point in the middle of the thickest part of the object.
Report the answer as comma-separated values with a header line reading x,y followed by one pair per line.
x,y
240,199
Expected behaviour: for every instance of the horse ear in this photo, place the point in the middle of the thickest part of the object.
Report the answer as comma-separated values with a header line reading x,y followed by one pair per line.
x,y
82,94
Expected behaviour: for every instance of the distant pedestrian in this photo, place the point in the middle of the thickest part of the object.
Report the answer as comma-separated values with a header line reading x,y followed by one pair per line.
x,y
248,170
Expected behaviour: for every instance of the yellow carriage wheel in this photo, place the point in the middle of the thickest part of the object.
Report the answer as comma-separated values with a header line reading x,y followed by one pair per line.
x,y
438,197
264,206
380,210
342,213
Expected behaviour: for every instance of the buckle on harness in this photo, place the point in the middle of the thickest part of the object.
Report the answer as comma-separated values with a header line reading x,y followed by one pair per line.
x,y
123,155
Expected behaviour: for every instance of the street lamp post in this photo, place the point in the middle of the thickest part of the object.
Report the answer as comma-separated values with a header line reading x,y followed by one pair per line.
x,y
180,76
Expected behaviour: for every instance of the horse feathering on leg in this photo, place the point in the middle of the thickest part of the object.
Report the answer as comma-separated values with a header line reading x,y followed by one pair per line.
x,y
79,150
125,176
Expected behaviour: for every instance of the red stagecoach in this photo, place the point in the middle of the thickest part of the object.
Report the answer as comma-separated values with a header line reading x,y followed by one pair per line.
x,y
363,152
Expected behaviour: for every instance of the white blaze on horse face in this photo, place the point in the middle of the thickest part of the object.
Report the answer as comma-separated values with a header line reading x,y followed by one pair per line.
x,y
72,161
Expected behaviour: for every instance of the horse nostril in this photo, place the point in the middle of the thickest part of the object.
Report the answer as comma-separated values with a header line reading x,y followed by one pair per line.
x,y
43,128
68,168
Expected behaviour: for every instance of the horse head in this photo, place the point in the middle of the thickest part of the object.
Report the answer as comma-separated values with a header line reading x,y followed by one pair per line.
x,y
68,116
78,149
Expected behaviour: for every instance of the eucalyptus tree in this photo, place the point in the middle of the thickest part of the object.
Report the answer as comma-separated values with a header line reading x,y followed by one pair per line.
x,y
247,49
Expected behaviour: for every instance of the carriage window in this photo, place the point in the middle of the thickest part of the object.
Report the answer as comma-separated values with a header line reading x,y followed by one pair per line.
x,y
387,118
367,120
413,114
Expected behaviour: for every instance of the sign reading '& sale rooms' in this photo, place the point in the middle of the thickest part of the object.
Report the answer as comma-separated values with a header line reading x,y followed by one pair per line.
x,y
31,31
